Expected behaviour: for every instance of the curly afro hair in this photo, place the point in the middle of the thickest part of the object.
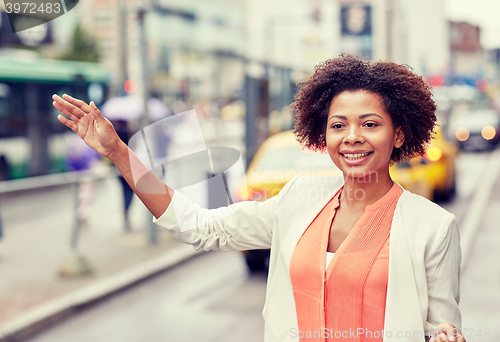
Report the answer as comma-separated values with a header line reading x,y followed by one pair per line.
x,y
406,97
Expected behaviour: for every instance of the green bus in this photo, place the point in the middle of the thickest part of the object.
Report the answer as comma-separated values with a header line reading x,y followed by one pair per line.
x,y
32,140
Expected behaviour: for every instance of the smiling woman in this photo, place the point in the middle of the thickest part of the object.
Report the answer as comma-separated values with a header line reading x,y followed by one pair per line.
x,y
395,272
366,116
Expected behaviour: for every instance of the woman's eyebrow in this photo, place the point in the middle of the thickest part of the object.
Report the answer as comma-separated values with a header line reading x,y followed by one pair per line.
x,y
362,116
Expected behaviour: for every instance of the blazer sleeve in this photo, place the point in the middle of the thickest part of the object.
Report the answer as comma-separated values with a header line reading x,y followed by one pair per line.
x,y
443,276
237,227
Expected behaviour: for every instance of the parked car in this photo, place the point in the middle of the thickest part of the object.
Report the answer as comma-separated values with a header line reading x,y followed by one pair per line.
x,y
281,157
278,160
475,130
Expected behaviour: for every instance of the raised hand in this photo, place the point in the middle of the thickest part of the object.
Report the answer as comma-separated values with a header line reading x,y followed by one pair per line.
x,y
88,122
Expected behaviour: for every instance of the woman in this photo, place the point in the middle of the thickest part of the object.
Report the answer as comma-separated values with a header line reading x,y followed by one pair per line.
x,y
394,274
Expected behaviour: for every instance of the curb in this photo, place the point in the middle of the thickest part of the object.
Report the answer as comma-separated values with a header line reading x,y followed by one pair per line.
x,y
56,179
55,310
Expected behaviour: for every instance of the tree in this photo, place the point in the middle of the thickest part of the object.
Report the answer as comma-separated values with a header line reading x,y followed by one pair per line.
x,y
83,47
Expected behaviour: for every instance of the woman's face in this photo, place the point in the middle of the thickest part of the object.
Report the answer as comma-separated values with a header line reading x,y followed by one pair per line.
x,y
360,136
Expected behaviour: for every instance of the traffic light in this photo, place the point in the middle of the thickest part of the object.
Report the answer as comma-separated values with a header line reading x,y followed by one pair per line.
x,y
437,81
130,86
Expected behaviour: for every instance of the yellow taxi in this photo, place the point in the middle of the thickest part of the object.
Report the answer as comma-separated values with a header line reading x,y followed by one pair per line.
x,y
281,157
278,160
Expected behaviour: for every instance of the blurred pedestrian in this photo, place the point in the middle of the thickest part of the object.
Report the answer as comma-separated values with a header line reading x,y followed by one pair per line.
x,y
1,227
122,111
4,175
352,257
122,129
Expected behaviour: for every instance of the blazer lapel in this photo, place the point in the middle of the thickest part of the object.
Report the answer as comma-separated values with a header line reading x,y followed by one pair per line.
x,y
301,225
402,305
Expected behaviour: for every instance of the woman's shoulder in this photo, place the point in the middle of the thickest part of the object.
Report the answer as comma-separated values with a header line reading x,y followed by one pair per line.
x,y
420,209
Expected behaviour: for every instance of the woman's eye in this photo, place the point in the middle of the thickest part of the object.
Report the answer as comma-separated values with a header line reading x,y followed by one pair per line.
x,y
371,124
337,126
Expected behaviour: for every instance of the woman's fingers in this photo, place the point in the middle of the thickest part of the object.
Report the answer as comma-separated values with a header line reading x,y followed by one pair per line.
x,y
78,103
68,107
65,112
447,332
97,113
68,123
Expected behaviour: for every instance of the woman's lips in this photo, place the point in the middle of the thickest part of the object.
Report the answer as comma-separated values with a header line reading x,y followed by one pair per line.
x,y
355,162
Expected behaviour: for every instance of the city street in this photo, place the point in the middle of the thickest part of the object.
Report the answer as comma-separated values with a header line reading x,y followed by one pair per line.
x,y
228,100
213,297
209,298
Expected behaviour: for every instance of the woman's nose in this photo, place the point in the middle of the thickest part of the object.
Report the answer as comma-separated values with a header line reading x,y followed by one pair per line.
x,y
353,135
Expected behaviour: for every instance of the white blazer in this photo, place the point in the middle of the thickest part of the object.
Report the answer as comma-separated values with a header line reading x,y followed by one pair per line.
x,y
424,253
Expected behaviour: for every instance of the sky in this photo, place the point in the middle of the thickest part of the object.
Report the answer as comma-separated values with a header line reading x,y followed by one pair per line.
x,y
485,13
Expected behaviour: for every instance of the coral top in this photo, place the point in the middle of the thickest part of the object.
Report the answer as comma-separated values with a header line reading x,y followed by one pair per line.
x,y
374,294
335,301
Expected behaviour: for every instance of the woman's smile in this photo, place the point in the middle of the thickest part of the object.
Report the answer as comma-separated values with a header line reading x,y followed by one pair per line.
x,y
355,159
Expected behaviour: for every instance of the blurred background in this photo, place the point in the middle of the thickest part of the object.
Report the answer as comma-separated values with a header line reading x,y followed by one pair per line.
x,y
70,227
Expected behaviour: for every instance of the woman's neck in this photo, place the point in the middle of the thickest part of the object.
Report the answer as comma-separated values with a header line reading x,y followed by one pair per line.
x,y
359,192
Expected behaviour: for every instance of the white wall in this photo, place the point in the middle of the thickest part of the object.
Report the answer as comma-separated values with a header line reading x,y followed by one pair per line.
x,y
419,34
282,32
428,36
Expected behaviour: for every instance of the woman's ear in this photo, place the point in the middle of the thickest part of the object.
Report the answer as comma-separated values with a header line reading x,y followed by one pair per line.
x,y
400,138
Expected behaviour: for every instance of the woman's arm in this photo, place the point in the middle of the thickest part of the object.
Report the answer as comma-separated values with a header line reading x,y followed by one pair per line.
x,y
240,226
98,132
154,193
443,276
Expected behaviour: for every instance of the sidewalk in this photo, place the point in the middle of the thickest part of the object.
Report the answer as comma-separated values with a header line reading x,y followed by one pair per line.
x,y
37,228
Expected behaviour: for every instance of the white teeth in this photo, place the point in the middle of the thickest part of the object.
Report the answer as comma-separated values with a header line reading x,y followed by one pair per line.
x,y
356,156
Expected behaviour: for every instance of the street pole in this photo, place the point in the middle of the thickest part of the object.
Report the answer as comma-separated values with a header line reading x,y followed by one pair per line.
x,y
123,70
75,263
389,28
150,226
144,67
